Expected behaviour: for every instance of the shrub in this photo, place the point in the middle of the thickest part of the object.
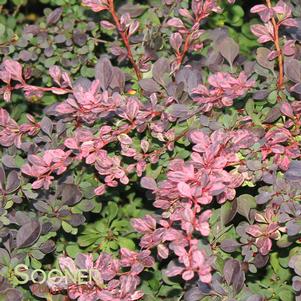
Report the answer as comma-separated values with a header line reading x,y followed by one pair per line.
x,y
144,152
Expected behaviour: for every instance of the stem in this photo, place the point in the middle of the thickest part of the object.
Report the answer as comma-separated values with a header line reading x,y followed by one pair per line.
x,y
17,10
186,46
279,51
124,37
185,49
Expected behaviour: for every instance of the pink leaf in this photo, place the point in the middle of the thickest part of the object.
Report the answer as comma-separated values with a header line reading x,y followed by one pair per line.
x,y
287,109
176,41
148,183
56,74
264,244
206,278
254,230
14,69
290,22
107,25
96,5
133,27
175,22
71,143
174,271
125,139
262,33
188,275
198,137
184,190
289,48
100,190
258,8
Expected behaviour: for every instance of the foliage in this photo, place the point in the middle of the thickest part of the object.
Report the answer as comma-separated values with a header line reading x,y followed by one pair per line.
x,y
157,144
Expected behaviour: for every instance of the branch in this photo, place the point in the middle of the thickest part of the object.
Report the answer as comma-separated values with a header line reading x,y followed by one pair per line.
x,y
124,37
280,84
202,15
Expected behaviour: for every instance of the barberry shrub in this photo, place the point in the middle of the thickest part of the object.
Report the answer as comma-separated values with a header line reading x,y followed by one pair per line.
x,y
138,143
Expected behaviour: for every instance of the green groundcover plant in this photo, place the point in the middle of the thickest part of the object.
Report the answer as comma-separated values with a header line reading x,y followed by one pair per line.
x,y
150,150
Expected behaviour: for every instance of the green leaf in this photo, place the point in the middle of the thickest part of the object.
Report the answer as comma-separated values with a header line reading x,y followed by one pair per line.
x,y
19,2
112,210
283,274
286,294
126,243
250,107
73,250
2,29
35,263
87,240
67,227
272,98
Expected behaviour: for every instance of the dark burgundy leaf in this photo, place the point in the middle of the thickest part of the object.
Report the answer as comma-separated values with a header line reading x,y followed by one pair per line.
x,y
76,220
42,206
293,70
13,182
46,125
9,161
193,294
79,38
231,268
260,260
228,48
2,177
54,16
104,72
273,115
28,234
228,212
296,88
149,85
47,247
11,294
262,58
229,245
135,10
161,71
40,290
261,94
294,171
71,194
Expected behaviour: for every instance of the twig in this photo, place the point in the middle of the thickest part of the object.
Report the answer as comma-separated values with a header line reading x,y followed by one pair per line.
x,y
279,51
187,42
124,37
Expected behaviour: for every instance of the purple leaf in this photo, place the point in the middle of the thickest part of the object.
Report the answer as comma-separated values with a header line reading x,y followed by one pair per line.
x,y
229,245
228,48
104,72
28,234
294,171
175,22
54,16
13,182
148,183
149,85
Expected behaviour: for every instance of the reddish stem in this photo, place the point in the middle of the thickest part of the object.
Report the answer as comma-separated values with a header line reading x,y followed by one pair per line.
x,y
280,84
187,42
124,37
